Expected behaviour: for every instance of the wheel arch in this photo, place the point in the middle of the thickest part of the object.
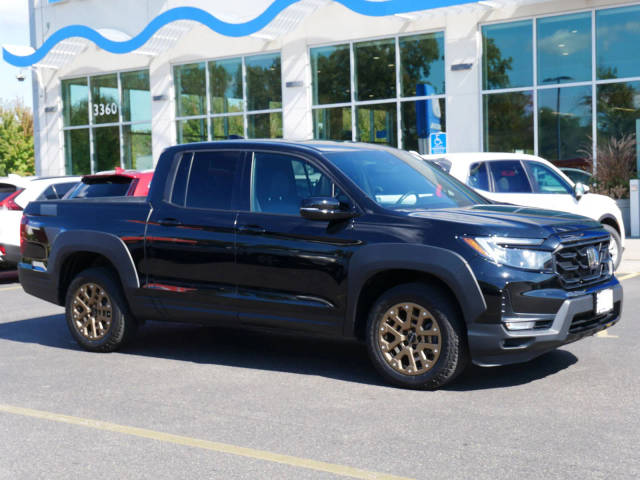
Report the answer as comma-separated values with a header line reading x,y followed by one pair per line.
x,y
377,268
610,220
78,250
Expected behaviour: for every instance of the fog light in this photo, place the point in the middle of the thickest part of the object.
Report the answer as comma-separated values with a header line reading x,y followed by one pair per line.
x,y
520,325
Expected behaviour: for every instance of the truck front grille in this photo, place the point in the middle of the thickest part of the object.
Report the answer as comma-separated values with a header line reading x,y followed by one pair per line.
x,y
580,264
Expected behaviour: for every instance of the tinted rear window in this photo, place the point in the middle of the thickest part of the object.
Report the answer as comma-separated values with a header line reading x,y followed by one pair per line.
x,y
95,190
6,190
211,179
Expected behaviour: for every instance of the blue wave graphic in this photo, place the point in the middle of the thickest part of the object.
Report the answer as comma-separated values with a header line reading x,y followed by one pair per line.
x,y
363,7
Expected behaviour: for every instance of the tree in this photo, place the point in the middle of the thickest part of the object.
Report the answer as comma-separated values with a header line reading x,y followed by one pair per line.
x,y
16,139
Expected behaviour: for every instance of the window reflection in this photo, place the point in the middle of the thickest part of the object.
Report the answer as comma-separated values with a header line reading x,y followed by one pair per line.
x,y
377,124
190,81
419,120
104,99
564,123
137,146
332,123
265,125
136,97
508,122
224,127
264,85
422,64
507,55
617,40
564,49
375,69
225,80
106,148
618,110
77,153
331,74
193,130
75,98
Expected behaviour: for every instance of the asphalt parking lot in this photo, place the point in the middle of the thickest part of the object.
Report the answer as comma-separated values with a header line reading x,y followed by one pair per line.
x,y
195,402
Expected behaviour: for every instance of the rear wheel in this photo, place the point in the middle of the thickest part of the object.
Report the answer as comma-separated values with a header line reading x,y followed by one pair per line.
x,y
615,246
97,315
415,337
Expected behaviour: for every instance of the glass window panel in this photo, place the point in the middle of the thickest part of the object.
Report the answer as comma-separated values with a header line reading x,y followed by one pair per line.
x,y
223,128
77,151
509,177
564,123
265,125
419,120
508,122
264,84
332,123
546,180
136,96
75,101
375,69
106,148
331,67
211,180
617,38
194,130
225,83
105,101
377,124
564,49
618,110
137,146
422,61
507,55
190,84
478,176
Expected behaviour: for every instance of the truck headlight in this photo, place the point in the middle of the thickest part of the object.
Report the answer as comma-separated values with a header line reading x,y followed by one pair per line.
x,y
513,252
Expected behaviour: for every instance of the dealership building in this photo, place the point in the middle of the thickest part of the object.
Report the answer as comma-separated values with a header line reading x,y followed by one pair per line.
x,y
117,82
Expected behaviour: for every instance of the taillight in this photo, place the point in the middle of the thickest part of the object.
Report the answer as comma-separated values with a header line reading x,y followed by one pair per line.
x,y
9,203
23,233
3,251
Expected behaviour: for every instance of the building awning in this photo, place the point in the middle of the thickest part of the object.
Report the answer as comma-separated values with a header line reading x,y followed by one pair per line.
x,y
278,18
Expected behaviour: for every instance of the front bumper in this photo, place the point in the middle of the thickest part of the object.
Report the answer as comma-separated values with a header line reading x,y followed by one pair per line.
x,y
491,344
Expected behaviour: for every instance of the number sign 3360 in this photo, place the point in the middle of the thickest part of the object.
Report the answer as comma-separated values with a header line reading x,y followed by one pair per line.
x,y
101,109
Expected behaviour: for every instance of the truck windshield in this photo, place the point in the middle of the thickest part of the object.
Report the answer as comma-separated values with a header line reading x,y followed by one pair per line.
x,y
397,180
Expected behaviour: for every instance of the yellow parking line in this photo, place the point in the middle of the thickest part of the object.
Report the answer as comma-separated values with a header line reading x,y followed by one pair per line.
x,y
10,288
628,276
204,444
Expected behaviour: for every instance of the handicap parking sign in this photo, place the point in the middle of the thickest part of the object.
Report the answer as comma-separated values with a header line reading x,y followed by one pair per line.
x,y
438,143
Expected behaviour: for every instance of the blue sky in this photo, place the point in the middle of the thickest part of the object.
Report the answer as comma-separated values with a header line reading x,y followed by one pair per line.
x,y
14,30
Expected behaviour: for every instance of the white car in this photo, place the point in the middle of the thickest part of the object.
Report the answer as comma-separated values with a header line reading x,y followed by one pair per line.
x,y
45,188
534,182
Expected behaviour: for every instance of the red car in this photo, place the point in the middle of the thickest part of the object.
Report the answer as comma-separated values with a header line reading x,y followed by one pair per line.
x,y
117,183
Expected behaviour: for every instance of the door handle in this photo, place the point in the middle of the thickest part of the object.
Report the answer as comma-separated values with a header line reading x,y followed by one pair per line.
x,y
251,229
170,222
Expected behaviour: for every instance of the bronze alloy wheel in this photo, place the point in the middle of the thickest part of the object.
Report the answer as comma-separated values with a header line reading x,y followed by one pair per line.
x,y
92,311
409,338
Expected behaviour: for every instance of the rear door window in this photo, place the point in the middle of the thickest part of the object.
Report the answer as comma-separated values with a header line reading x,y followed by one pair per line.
x,y
509,176
211,179
478,176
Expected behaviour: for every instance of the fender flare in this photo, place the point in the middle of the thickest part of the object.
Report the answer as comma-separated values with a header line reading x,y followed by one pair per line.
x,y
449,267
608,216
105,244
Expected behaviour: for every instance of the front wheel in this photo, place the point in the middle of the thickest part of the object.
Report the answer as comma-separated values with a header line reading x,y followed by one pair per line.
x,y
415,337
615,246
96,313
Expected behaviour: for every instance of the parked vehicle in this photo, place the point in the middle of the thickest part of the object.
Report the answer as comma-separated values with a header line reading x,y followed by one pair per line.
x,y
116,183
578,176
534,182
45,188
346,240
8,187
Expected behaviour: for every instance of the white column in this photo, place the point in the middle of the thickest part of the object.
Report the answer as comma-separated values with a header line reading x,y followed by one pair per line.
x,y
296,102
463,108
163,111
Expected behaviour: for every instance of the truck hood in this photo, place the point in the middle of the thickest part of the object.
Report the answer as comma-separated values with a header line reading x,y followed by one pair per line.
x,y
508,220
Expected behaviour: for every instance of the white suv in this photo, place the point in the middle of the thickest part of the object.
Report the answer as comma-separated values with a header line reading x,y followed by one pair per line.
x,y
532,181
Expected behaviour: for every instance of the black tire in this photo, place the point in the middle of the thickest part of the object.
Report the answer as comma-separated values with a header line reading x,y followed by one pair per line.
x,y
102,284
447,362
615,237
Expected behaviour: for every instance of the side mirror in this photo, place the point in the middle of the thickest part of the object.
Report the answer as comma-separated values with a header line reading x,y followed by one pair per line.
x,y
579,190
324,209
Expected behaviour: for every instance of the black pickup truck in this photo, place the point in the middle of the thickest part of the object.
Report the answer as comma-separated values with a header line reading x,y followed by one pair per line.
x,y
346,240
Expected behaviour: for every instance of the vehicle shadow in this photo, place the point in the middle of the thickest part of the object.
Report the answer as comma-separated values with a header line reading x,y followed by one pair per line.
x,y
340,360
8,276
